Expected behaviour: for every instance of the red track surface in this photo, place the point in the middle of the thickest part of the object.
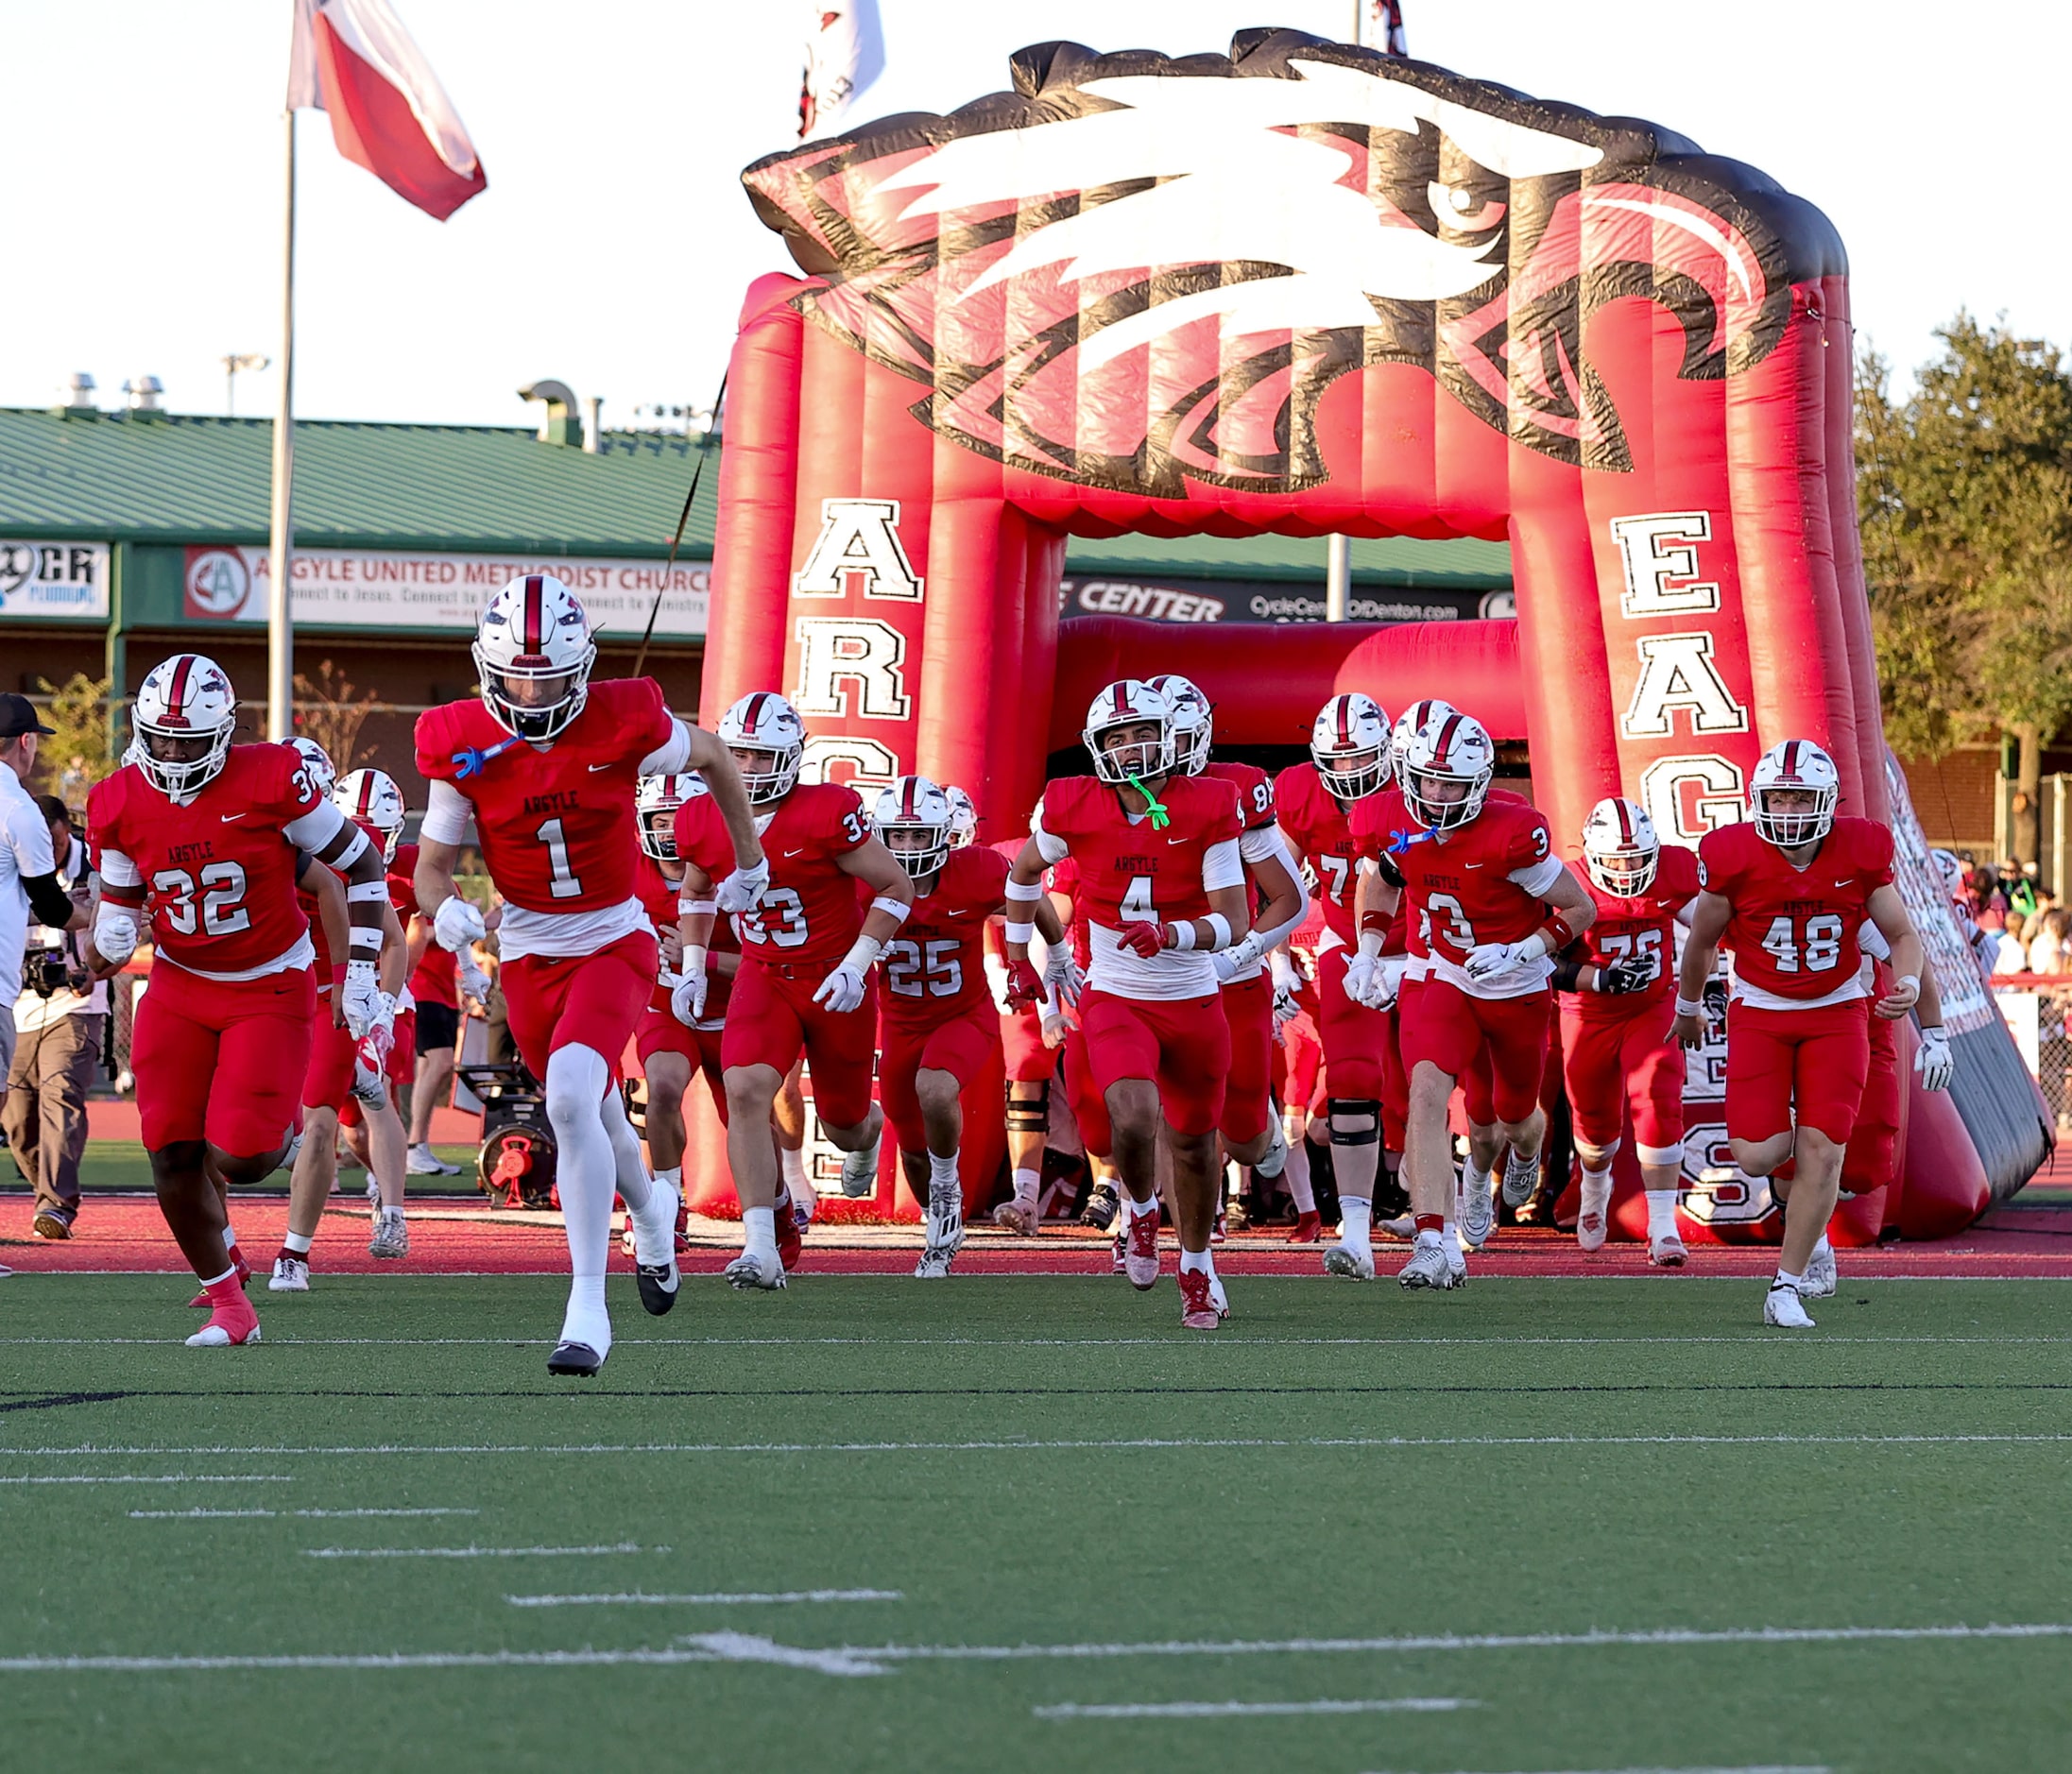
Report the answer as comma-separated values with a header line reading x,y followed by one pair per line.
x,y
124,1233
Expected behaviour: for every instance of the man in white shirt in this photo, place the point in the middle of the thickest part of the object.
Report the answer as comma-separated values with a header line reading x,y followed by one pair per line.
x,y
28,875
59,1019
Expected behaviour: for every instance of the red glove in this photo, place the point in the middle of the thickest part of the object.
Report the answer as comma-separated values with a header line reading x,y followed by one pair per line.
x,y
1024,984
1144,939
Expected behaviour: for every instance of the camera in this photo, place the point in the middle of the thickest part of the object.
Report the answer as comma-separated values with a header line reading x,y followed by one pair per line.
x,y
49,971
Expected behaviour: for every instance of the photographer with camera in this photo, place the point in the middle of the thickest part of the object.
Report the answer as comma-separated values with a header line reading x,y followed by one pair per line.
x,y
51,1014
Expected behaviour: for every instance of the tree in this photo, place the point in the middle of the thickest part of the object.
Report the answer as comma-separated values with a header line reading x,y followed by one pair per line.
x,y
76,755
1964,492
330,711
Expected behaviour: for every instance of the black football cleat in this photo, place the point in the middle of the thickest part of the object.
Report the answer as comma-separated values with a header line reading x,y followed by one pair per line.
x,y
658,1284
577,1358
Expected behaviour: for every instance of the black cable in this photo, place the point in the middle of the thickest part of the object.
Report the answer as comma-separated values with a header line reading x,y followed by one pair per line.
x,y
705,449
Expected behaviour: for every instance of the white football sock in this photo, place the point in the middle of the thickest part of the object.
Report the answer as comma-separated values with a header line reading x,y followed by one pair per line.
x,y
585,1166
295,1243
586,1320
1138,1209
652,1211
792,1167
673,1175
1355,1221
229,1240
1822,1248
759,1232
1450,1231
944,1184
1197,1260
1596,1190
1473,1179
1027,1184
1295,1175
1661,1213
1787,1279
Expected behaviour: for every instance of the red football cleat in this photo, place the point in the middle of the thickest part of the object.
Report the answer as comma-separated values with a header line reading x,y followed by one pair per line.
x,y
1140,1251
791,1236
201,1302
231,1323
1309,1229
1198,1301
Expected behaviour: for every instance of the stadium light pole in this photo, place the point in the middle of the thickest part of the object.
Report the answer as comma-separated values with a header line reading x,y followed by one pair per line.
x,y
281,554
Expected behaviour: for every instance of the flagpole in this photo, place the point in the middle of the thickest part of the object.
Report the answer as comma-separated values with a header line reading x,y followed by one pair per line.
x,y
279,633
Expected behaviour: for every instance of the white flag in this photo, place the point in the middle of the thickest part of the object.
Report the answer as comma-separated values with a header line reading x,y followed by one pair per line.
x,y
845,53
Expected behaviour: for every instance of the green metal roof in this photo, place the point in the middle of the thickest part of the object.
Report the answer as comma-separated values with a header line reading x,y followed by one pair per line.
x,y
180,478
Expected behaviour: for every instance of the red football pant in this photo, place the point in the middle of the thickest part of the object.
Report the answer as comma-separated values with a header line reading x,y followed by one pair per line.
x,y
1814,1060
1028,1061
1447,1026
1089,1107
771,1019
579,1000
221,1060
660,1032
963,1046
1182,1044
1355,1038
1867,1164
327,1081
1248,1092
1615,1066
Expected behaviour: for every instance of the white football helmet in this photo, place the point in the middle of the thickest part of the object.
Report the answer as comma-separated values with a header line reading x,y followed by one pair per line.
x,y
1193,721
766,725
1349,744
654,804
1454,748
372,800
1620,848
1796,766
913,817
964,817
323,774
534,654
1129,701
184,715
1951,872
1407,723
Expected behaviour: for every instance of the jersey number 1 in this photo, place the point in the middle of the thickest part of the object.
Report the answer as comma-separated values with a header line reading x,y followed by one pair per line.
x,y
565,884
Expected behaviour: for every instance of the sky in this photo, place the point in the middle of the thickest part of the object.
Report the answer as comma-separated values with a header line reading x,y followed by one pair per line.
x,y
141,172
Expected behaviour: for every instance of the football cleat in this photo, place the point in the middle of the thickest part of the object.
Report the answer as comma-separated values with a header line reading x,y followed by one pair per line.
x,y
1218,1229
1403,1228
290,1275
423,1161
391,1239
658,1284
1820,1276
231,1323
860,1171
1353,1261
1119,1255
934,1263
1101,1208
628,1244
1309,1229
748,1270
1140,1251
1019,1216
1478,1213
1197,1299
577,1358
201,1302
1429,1267
1456,1259
1783,1307
1591,1229
1667,1251
790,1226
1520,1181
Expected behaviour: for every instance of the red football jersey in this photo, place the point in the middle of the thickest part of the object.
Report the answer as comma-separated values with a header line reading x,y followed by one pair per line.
x,y
1793,932
1127,871
219,873
1637,926
659,900
1321,831
1254,792
557,825
402,881
436,978
810,913
326,969
1461,888
934,969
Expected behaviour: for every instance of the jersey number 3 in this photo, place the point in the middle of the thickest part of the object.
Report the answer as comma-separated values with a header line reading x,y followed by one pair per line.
x,y
222,888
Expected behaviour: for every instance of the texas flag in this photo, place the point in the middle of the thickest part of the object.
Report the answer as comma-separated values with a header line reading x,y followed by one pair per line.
x,y
388,112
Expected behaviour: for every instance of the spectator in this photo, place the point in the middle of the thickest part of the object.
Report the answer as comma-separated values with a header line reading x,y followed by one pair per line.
x,y
28,875
59,1018
2020,888
2050,949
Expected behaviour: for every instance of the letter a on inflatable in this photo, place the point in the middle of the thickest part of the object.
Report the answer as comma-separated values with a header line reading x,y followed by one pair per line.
x,y
1307,288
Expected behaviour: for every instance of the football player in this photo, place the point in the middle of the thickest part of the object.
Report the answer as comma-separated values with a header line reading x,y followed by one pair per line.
x,y
804,983
1349,760
1618,1057
1786,890
204,841
1163,883
938,1025
1491,905
1251,1129
547,763
1028,1056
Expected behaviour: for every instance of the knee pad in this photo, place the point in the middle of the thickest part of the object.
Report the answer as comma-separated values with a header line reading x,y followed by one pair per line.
x,y
1660,1155
576,1083
1350,1107
1030,1114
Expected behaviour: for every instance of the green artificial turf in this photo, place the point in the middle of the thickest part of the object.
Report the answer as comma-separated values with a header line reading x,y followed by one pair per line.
x,y
120,1165
1031,1463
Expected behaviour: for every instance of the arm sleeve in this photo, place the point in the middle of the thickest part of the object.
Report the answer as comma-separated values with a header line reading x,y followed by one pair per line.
x,y
120,877
313,830
446,812
1275,934
48,902
1051,848
1221,866
1872,940
1539,878
1259,843
671,755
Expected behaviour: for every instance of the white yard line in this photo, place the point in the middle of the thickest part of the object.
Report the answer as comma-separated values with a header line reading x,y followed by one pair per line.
x,y
1747,1767
477,1552
183,1515
712,1599
1077,1444
1755,1337
1248,1709
138,1479
585,1658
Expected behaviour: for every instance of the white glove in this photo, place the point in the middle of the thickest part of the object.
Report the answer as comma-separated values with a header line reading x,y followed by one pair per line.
x,y
473,982
1388,981
1239,956
740,891
843,990
369,1082
1489,961
363,998
1360,976
1061,974
1285,1007
687,997
457,924
114,935
1935,1062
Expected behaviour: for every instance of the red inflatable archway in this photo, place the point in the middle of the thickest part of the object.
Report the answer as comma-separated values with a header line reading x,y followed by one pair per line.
x,y
1306,288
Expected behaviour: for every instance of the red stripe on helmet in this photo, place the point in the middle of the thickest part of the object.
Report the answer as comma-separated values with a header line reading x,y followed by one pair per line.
x,y
753,718
365,809
1625,825
535,598
1443,752
1346,721
176,695
1791,760
1121,699
907,808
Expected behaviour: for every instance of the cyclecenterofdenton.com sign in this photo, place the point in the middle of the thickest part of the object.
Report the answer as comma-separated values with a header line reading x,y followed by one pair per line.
x,y
336,587
53,579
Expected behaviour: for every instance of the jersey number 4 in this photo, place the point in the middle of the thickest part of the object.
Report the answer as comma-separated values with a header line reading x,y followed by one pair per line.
x,y
222,890
1815,951
918,970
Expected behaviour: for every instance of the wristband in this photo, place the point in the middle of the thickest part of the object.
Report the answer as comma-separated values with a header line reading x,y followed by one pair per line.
x,y
894,909
863,951
361,892
697,908
1928,1028
1025,893
1023,934
1183,934
693,958
1688,1006
1909,979
1370,943
1220,925
363,937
